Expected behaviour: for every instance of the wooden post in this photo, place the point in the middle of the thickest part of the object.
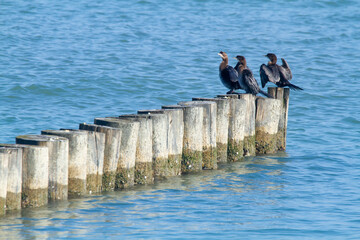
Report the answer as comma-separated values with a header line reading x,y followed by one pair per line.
x,y
283,95
111,154
125,168
35,176
192,141
268,111
160,150
58,150
144,173
249,138
175,137
78,142
237,125
4,160
222,126
94,160
34,173
14,182
209,153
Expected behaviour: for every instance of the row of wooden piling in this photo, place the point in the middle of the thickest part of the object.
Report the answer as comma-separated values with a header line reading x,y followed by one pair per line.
x,y
122,151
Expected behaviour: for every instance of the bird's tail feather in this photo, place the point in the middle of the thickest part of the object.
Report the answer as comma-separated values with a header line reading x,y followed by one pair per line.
x,y
294,87
265,94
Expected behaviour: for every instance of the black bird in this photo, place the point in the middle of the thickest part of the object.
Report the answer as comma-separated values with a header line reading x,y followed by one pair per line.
x,y
279,75
228,75
246,78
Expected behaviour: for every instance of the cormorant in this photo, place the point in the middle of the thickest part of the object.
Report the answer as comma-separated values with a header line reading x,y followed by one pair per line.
x,y
246,78
228,75
279,75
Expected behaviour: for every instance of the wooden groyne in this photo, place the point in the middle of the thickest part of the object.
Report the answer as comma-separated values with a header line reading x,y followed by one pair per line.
x,y
118,152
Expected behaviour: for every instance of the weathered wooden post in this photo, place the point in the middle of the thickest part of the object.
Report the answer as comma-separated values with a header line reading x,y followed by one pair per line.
x,y
222,126
160,150
125,167
95,160
34,169
268,111
175,137
14,182
249,139
111,153
283,95
35,176
4,161
192,140
237,126
144,173
209,151
58,150
77,169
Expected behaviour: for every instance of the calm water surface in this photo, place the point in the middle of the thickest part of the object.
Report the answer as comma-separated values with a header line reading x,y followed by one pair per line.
x,y
63,63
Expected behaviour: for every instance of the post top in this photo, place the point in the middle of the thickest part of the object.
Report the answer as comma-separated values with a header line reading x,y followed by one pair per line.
x,y
134,116
197,103
152,111
63,132
11,146
42,138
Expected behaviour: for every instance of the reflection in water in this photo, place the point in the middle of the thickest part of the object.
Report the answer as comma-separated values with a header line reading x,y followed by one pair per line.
x,y
194,201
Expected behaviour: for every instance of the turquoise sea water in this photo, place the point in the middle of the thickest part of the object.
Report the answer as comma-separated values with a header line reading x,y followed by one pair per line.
x,y
67,62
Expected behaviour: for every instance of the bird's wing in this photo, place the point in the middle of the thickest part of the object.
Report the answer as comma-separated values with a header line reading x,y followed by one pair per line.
x,y
250,81
267,75
285,70
233,74
237,67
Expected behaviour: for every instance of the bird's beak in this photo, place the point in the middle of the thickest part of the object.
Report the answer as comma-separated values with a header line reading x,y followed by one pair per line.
x,y
234,58
265,55
220,55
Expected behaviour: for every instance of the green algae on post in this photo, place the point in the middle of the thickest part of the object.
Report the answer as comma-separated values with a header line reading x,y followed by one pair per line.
x,y
144,173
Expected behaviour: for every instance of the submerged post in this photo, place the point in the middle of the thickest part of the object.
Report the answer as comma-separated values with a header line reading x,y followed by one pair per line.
x,y
4,160
95,161
160,150
237,126
283,95
249,137
192,139
111,153
175,137
78,142
222,125
209,153
35,174
58,150
125,163
144,173
268,112
14,179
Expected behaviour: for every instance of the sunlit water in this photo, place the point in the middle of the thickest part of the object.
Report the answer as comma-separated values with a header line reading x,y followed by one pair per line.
x,y
67,62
